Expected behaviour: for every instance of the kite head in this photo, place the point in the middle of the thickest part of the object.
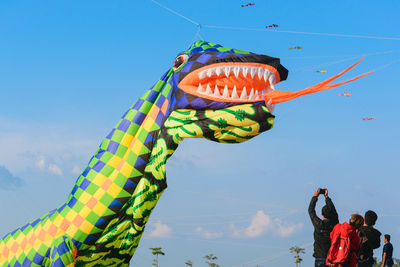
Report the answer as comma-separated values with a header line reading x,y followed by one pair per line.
x,y
211,76
224,89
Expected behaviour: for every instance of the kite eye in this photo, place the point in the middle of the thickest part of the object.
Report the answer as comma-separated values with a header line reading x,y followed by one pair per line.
x,y
180,61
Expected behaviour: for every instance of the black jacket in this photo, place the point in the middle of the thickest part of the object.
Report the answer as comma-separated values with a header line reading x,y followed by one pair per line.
x,y
322,228
370,239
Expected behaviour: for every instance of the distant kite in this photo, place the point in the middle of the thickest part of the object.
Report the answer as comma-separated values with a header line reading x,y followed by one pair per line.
x,y
296,47
321,71
249,4
368,119
272,26
345,94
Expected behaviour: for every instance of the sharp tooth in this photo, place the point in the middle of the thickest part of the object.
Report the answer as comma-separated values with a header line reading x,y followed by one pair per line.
x,y
202,74
208,90
234,93
253,71
216,91
218,70
236,71
209,72
225,94
258,95
200,89
260,73
251,96
272,80
245,70
267,89
266,75
227,71
243,95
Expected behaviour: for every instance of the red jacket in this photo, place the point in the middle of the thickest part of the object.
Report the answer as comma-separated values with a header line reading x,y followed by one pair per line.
x,y
354,239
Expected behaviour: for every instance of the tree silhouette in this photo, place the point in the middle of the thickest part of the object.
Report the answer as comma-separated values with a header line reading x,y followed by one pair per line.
x,y
210,260
297,250
156,252
189,263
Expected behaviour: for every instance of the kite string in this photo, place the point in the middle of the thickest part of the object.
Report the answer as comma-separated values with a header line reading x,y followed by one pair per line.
x,y
307,33
176,13
280,31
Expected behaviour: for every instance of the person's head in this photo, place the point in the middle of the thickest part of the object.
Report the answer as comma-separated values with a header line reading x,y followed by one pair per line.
x,y
356,220
326,212
386,238
370,218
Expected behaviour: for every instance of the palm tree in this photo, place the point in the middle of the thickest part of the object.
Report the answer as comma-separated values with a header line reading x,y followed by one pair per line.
x,y
156,252
210,260
297,250
189,263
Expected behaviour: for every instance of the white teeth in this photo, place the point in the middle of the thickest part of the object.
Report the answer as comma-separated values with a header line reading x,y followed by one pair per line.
x,y
260,73
236,71
209,72
202,74
225,94
244,71
243,95
216,91
267,90
253,72
266,75
227,71
251,96
208,90
218,71
200,89
272,80
234,93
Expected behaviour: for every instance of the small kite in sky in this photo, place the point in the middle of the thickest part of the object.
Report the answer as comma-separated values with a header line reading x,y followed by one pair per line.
x,y
296,47
272,26
249,4
345,94
321,71
368,119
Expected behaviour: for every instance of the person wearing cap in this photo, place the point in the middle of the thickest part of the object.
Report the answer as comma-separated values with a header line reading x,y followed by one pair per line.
x,y
322,228
370,240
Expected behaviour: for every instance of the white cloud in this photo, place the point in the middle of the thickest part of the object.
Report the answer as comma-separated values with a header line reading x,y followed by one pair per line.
x,y
40,163
261,224
286,230
160,231
76,170
34,147
54,169
206,234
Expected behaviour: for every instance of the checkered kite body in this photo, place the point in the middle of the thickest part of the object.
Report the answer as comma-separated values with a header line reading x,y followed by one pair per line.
x,y
211,92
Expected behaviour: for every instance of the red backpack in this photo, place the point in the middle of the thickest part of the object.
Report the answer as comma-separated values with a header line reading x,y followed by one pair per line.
x,y
339,253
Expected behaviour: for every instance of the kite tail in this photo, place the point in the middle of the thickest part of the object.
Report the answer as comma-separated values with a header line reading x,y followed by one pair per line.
x,y
276,96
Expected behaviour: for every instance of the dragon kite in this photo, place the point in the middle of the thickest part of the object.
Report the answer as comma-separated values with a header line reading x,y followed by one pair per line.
x,y
214,92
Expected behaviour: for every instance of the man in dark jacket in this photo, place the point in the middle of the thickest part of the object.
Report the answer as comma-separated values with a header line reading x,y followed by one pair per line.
x,y
370,240
322,228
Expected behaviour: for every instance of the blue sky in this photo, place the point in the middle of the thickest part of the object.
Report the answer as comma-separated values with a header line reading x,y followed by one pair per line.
x,y
70,69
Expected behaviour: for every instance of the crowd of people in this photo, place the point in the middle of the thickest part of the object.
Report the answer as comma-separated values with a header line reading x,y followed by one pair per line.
x,y
347,244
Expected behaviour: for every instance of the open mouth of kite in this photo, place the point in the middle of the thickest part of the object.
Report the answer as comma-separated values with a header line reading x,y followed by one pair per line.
x,y
231,82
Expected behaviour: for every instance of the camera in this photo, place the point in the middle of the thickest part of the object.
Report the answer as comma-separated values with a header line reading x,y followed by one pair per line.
x,y
322,191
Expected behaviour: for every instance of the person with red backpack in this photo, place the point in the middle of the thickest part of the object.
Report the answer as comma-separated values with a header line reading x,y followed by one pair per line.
x,y
345,243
